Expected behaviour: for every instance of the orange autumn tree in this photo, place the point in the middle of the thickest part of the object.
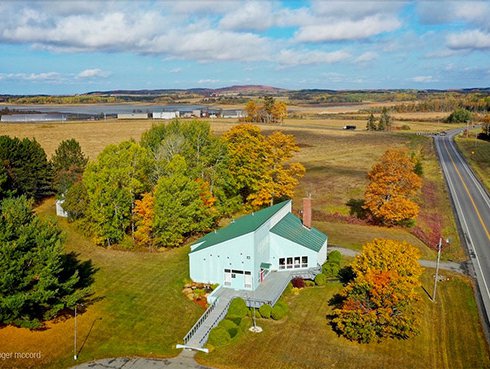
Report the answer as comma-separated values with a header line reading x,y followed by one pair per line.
x,y
380,301
392,186
261,165
144,213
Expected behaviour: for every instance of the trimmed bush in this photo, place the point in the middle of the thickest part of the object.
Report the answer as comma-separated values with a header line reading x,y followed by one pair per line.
x,y
298,282
330,270
309,283
265,311
334,257
230,326
245,323
321,279
234,319
219,336
277,312
238,309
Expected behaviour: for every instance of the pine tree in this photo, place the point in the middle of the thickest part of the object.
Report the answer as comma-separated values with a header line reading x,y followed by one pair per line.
x,y
68,163
35,283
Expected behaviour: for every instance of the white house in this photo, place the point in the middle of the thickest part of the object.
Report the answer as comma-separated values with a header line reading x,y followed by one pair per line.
x,y
242,254
165,115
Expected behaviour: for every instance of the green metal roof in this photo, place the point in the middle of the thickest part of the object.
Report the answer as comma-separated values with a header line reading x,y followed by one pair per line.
x,y
241,226
291,228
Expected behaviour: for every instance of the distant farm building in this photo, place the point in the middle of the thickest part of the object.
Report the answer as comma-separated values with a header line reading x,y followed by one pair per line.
x,y
233,114
28,118
132,116
166,115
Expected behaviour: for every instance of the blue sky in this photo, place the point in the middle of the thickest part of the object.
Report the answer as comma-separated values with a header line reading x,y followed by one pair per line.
x,y
67,47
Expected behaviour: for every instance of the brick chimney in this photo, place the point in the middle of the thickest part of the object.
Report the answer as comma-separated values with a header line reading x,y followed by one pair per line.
x,y
307,212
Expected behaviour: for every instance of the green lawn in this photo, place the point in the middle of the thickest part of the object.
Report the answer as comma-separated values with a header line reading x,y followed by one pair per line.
x,y
477,152
141,310
450,337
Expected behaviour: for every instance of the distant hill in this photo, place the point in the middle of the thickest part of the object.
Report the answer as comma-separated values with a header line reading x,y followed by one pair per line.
x,y
231,90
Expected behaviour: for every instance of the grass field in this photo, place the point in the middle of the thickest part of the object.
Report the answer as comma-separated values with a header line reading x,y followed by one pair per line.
x,y
141,310
305,340
477,152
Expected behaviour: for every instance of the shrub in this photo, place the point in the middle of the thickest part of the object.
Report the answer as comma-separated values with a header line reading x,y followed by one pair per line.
x,y
219,336
330,270
245,323
298,282
405,127
238,308
234,319
265,311
230,326
334,257
321,279
309,283
459,116
277,312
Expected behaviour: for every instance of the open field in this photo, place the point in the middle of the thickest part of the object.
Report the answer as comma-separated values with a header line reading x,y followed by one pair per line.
x,y
477,152
140,309
336,160
306,340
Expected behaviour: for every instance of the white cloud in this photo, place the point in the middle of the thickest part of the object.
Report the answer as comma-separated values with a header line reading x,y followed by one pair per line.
x,y
33,77
175,70
356,9
291,57
93,73
472,40
438,12
423,79
208,81
367,57
251,16
347,29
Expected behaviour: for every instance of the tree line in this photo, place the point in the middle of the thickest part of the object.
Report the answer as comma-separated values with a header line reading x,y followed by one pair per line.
x,y
178,181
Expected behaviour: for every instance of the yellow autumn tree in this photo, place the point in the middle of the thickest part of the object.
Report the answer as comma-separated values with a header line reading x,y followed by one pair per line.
x,y
261,165
380,301
144,213
392,186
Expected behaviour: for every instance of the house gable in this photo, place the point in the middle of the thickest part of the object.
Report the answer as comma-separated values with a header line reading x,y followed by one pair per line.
x,y
246,224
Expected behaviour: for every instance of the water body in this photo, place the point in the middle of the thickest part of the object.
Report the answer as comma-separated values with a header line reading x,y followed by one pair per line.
x,y
101,109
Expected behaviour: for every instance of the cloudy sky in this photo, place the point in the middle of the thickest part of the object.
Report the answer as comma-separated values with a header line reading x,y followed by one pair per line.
x,y
67,46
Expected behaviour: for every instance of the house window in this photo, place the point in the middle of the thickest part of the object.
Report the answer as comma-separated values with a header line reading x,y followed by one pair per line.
x,y
289,264
296,262
304,262
282,263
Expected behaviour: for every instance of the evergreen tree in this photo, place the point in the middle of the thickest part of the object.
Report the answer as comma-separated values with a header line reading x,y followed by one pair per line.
x,y
26,170
68,164
35,284
371,123
385,121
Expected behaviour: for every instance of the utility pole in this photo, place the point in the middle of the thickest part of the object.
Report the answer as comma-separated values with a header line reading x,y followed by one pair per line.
x,y
75,337
439,246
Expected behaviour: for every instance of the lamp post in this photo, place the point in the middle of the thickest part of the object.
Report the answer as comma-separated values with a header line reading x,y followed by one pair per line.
x,y
75,354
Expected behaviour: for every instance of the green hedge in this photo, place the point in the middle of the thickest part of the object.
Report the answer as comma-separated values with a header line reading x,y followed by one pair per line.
x,y
238,309
334,257
265,311
219,336
321,279
230,326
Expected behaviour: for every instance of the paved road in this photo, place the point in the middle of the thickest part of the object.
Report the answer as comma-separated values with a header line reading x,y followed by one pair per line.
x,y
184,361
445,265
472,207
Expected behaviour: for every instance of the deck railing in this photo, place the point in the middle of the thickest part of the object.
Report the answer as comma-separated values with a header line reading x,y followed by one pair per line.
x,y
201,320
215,322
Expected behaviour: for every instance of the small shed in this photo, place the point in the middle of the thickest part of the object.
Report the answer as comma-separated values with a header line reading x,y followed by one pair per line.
x,y
59,209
